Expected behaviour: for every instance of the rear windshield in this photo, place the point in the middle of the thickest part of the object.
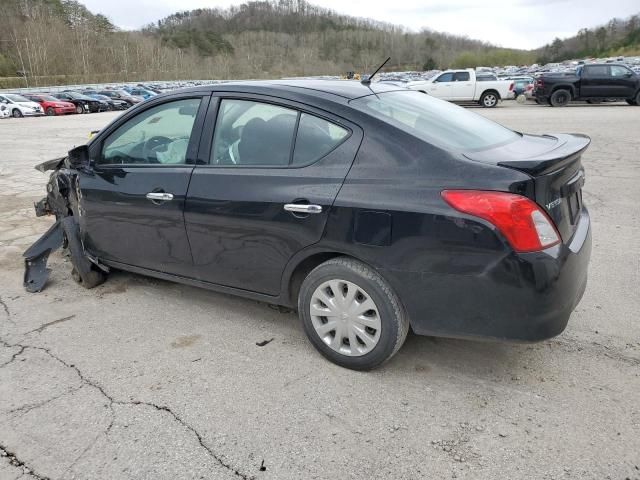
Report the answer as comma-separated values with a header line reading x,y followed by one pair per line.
x,y
435,121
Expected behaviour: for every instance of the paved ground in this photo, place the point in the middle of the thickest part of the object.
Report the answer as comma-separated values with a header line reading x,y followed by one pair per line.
x,y
143,379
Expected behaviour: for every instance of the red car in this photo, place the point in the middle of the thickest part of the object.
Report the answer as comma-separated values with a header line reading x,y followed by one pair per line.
x,y
51,105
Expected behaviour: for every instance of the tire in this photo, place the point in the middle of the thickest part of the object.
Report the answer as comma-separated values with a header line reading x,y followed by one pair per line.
x,y
489,99
17,113
560,98
50,112
79,109
635,101
385,325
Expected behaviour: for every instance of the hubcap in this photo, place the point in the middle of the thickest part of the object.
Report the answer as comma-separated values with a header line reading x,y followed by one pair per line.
x,y
345,317
489,100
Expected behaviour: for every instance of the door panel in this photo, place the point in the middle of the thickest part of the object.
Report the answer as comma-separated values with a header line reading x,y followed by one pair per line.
x,y
239,231
623,82
596,81
120,224
149,151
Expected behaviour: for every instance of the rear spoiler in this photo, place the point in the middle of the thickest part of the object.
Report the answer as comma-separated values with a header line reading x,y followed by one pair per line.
x,y
570,147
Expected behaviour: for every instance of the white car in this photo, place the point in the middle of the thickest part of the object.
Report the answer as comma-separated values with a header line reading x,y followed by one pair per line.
x,y
463,86
4,111
19,106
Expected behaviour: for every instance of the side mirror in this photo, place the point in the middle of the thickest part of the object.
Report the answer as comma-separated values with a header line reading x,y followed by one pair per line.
x,y
79,157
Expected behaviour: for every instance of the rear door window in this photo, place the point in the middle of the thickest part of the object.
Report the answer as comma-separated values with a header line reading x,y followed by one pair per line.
x,y
596,71
250,133
461,77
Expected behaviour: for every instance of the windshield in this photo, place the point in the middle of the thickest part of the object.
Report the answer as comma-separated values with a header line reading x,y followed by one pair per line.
x,y
17,98
435,121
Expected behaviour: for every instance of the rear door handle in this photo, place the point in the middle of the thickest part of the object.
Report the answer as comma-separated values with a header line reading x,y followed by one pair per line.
x,y
302,208
159,196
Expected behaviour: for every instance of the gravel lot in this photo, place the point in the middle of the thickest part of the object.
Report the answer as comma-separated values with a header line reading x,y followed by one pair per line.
x,y
144,379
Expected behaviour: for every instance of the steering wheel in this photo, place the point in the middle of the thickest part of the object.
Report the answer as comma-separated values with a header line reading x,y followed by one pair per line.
x,y
149,148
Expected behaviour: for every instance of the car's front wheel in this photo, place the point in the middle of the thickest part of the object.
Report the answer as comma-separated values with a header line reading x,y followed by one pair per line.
x,y
17,113
351,314
50,112
635,101
79,109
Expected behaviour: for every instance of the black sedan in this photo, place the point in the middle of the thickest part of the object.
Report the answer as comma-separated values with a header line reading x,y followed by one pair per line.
x,y
112,103
368,208
83,103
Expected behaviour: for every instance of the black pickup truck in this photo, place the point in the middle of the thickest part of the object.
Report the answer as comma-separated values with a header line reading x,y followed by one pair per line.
x,y
593,83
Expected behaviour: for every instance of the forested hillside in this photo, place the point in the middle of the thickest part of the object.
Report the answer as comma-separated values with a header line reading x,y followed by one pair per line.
x,y
618,37
60,41
45,42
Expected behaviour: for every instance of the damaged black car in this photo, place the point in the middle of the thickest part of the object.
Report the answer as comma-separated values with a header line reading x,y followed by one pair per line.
x,y
370,209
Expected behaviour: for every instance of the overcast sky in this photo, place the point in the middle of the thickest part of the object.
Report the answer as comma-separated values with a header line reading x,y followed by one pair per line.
x,y
508,23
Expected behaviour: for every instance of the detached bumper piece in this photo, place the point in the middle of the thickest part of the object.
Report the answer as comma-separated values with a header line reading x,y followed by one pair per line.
x,y
85,272
36,272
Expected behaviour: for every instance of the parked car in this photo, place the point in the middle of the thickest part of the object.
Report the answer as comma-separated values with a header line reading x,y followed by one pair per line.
x,y
51,105
82,103
4,111
462,86
19,106
594,82
121,95
139,92
523,86
112,103
370,209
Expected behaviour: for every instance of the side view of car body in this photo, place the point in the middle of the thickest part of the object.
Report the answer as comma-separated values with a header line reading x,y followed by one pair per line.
x,y
121,95
593,83
19,106
463,86
82,103
51,105
370,209
112,103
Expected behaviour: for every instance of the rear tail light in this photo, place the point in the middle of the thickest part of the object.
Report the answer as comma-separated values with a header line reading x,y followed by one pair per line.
x,y
511,87
523,223
540,83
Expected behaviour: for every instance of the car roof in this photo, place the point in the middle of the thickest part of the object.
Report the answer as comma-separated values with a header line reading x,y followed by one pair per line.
x,y
347,89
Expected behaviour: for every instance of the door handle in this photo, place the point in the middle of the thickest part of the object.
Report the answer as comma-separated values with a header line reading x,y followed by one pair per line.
x,y
302,208
159,196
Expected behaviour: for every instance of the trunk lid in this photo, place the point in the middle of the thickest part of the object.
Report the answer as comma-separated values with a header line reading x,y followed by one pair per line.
x,y
555,165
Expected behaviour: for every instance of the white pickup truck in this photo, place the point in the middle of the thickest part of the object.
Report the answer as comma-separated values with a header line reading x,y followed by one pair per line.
x,y
466,86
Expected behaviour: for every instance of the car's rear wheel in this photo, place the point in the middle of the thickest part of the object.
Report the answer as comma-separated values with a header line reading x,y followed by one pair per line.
x,y
50,111
17,113
351,314
635,101
489,99
79,109
560,98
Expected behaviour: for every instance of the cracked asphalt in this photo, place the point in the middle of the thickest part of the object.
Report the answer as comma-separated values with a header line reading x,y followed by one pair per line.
x,y
144,379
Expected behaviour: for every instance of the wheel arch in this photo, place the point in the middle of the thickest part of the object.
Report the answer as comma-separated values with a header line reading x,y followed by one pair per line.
x,y
299,267
491,90
565,86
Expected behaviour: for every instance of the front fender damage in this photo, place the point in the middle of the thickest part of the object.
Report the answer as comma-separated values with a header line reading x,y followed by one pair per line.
x,y
61,201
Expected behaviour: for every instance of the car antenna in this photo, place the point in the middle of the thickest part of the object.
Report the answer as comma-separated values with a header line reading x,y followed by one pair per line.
x,y
367,80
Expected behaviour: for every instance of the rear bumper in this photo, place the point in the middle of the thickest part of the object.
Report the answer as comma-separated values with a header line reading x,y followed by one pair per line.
x,y
523,297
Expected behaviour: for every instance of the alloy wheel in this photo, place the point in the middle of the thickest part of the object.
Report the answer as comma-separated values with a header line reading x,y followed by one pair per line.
x,y
490,100
345,317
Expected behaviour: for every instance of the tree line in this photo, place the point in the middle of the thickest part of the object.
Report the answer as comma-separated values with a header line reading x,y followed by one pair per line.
x,y
619,37
47,42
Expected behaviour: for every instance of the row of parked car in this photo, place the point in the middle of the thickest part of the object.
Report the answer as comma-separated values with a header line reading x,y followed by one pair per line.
x,y
71,101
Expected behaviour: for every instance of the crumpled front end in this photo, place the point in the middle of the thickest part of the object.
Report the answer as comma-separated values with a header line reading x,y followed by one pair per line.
x,y
62,202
